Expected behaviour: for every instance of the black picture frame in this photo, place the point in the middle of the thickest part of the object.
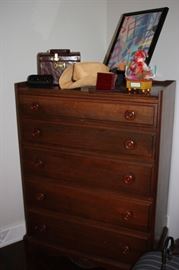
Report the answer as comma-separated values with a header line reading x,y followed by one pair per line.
x,y
135,30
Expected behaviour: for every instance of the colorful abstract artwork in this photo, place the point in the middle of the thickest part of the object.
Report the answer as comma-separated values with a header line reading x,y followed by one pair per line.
x,y
139,30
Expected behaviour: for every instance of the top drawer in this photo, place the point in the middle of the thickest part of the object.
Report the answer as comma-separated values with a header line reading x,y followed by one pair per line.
x,y
55,107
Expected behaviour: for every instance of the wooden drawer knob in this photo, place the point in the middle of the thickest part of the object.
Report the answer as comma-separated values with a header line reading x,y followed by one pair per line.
x,y
40,196
128,179
35,107
38,163
40,228
127,215
129,115
129,144
125,250
36,132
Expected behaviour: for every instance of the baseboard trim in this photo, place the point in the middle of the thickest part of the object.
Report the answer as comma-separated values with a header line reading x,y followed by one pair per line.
x,y
12,234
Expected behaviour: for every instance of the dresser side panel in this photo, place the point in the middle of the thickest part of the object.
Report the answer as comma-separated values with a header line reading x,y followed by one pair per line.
x,y
165,149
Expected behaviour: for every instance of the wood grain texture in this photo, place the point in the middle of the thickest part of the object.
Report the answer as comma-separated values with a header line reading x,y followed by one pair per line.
x,y
90,164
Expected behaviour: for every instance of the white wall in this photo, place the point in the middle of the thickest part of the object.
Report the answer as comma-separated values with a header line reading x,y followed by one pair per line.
x,y
166,58
28,27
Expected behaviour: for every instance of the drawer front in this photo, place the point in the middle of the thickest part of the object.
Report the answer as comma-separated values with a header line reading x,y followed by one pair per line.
x,y
104,206
89,171
114,141
86,238
128,113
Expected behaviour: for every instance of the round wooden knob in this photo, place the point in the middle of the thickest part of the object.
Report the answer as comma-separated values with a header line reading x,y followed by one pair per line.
x,y
128,179
129,144
40,196
127,215
35,107
129,115
40,228
38,163
36,132
125,250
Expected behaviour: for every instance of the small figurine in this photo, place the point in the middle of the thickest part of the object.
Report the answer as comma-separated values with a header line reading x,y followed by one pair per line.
x,y
138,74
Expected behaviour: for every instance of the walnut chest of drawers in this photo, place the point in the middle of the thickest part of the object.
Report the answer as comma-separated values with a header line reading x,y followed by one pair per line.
x,y
95,169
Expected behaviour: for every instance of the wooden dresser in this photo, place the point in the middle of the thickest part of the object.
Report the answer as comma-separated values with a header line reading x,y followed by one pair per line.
x,y
95,171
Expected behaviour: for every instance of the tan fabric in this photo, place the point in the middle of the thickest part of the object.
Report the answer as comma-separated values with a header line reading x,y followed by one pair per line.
x,y
81,74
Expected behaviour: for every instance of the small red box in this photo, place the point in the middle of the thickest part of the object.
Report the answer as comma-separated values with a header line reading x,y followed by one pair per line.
x,y
106,81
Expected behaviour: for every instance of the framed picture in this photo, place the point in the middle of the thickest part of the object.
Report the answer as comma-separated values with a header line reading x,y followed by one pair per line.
x,y
136,30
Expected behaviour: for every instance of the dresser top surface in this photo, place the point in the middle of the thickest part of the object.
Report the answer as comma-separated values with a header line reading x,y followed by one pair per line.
x,y
90,92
